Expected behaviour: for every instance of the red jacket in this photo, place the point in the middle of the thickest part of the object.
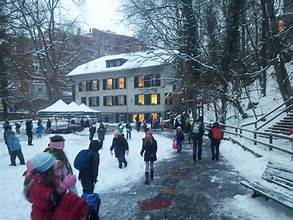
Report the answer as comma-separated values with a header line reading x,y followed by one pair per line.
x,y
41,198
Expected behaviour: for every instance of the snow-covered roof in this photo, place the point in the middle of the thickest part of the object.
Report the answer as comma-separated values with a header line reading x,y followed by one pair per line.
x,y
73,107
58,106
133,60
85,108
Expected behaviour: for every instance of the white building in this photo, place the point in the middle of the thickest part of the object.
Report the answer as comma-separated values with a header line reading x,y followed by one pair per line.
x,y
126,86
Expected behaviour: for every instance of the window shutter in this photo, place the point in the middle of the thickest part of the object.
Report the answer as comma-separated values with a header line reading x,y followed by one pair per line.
x,y
159,98
116,101
135,81
104,100
147,98
116,82
136,99
98,84
104,84
125,100
97,101
113,83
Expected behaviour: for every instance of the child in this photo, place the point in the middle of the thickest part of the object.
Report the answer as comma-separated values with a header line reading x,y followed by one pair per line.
x,y
88,176
55,147
14,147
40,130
128,130
179,137
216,135
40,186
149,148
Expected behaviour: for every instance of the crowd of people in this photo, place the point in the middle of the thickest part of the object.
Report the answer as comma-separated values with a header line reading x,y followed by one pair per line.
x,y
49,179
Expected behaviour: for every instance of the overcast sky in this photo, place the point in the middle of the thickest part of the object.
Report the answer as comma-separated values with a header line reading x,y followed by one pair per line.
x,y
101,14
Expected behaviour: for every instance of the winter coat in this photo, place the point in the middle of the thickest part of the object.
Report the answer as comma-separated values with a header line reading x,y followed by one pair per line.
x,y
12,141
49,124
128,127
120,128
200,132
101,133
149,148
119,145
92,130
41,197
210,135
179,137
29,127
40,129
6,131
91,173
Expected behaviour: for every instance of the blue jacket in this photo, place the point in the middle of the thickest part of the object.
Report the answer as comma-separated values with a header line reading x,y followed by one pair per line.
x,y
12,141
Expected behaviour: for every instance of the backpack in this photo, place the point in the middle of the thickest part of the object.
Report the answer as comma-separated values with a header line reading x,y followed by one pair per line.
x,y
217,134
82,160
93,200
71,207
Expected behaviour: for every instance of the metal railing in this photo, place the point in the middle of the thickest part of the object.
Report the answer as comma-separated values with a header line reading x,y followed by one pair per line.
x,y
239,132
272,111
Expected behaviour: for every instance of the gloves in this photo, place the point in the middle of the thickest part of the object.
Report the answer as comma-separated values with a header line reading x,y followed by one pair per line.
x,y
141,154
68,181
127,152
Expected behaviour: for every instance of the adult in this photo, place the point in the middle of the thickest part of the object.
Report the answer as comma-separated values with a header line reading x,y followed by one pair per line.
x,y
216,135
14,147
128,130
120,146
138,124
92,131
149,151
6,131
29,131
179,138
48,126
101,133
197,132
145,126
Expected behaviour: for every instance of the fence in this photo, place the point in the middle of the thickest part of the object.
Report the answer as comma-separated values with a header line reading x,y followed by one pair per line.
x,y
239,132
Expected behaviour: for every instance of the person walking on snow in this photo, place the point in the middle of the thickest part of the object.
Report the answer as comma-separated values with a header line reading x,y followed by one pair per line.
x,y
128,130
101,133
120,128
120,146
149,151
29,131
17,127
92,131
88,176
216,135
48,126
40,130
197,132
14,147
179,138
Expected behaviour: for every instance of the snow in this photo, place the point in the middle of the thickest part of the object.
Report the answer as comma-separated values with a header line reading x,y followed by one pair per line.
x,y
134,60
110,176
58,106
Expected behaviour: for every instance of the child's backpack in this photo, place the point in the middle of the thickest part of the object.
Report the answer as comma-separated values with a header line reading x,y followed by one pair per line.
x,y
71,207
82,160
93,200
217,134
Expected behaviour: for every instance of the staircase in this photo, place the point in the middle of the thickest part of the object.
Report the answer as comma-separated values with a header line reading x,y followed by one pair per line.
x,y
284,126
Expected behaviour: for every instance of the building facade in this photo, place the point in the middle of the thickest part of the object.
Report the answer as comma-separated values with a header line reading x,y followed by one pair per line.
x,y
125,88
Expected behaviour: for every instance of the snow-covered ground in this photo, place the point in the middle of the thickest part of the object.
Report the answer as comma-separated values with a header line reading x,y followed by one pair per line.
x,y
13,204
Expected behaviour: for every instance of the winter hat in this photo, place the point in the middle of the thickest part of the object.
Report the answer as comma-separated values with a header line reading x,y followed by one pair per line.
x,y
43,161
56,142
95,144
149,132
116,132
179,128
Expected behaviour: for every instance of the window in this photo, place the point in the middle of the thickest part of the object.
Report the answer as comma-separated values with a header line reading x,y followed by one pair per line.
x,y
121,82
94,101
108,84
80,86
83,100
108,101
141,81
120,100
141,99
84,86
115,63
154,99
95,85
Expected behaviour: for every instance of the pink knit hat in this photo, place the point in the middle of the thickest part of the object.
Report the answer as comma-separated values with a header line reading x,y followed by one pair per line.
x,y
57,142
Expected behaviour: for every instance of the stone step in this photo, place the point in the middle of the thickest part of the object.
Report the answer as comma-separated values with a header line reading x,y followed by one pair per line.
x,y
283,126
285,123
280,129
277,131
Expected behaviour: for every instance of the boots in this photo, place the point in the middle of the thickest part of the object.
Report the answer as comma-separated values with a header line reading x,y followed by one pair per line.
x,y
147,178
152,175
